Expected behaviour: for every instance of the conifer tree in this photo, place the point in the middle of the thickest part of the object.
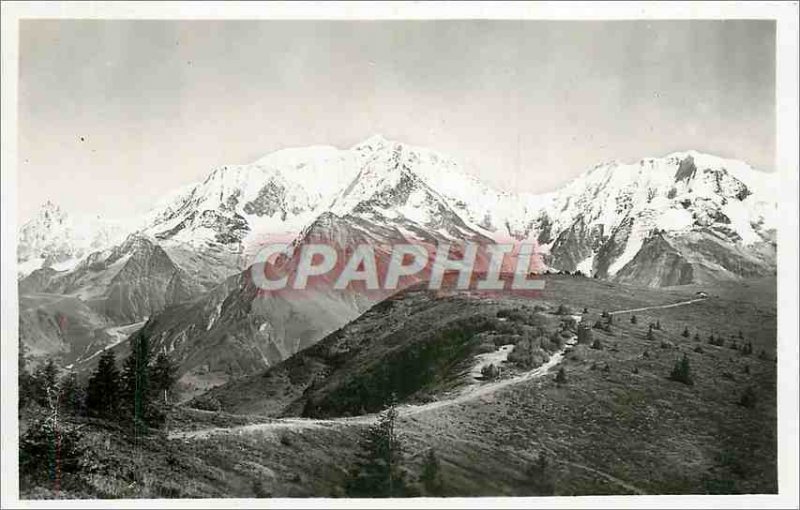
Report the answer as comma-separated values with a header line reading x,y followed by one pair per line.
x,y
561,377
378,471
681,372
431,476
162,377
633,319
102,393
685,333
136,391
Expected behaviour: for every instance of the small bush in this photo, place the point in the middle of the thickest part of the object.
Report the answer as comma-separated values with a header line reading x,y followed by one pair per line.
x,y
698,350
489,372
633,319
682,372
597,344
748,398
685,333
206,403
561,377
541,476
585,335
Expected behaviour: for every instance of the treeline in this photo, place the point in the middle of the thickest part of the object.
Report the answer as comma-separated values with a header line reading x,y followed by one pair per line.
x,y
54,407
132,394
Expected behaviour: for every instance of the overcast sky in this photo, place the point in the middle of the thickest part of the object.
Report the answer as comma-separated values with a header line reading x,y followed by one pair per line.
x,y
113,114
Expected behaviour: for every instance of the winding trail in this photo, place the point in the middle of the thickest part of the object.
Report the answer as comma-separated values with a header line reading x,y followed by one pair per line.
x,y
404,410
656,307
471,392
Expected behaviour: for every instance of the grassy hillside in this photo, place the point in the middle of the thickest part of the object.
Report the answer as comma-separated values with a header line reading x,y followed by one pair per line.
x,y
411,347
618,424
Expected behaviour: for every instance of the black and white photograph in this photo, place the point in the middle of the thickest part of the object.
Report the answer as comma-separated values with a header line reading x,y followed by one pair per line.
x,y
260,253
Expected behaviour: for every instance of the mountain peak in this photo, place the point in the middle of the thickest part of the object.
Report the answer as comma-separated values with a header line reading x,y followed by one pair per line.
x,y
375,142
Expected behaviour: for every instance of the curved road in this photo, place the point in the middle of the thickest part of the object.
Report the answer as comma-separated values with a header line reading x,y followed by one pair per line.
x,y
470,393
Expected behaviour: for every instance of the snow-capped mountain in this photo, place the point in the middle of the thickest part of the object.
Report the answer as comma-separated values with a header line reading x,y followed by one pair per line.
x,y
54,238
683,218
281,194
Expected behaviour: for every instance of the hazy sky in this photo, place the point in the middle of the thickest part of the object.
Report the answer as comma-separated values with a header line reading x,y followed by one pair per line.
x,y
113,114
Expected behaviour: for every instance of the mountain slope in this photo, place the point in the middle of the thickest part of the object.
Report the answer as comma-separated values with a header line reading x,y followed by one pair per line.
x,y
56,239
714,216
126,283
413,345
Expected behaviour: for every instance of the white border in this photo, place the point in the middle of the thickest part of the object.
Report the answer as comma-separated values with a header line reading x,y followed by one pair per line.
x,y
786,16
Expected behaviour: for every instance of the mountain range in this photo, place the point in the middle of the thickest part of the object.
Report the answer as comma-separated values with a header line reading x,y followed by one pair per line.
x,y
684,218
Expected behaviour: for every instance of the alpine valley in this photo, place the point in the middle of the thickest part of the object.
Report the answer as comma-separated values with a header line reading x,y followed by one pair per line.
x,y
180,276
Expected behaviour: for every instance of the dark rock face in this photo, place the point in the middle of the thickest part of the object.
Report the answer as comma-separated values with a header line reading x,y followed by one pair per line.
x,y
612,248
148,282
694,257
657,264
271,199
686,170
575,244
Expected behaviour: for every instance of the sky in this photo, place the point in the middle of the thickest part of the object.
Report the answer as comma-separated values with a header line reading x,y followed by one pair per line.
x,y
114,114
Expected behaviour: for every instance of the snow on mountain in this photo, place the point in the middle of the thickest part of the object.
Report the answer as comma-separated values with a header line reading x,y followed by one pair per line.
x,y
600,221
53,238
238,208
597,223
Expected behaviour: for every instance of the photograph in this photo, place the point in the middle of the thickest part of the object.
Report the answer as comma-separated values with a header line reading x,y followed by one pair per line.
x,y
399,253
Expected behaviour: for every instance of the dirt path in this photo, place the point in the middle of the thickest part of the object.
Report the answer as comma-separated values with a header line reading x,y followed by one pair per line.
x,y
610,478
672,305
406,410
471,392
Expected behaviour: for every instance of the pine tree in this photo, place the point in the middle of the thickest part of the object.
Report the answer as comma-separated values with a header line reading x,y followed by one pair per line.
x,y
650,335
658,325
431,477
44,383
681,372
561,377
696,337
597,344
685,333
28,386
162,377
136,394
72,395
633,319
102,393
378,471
